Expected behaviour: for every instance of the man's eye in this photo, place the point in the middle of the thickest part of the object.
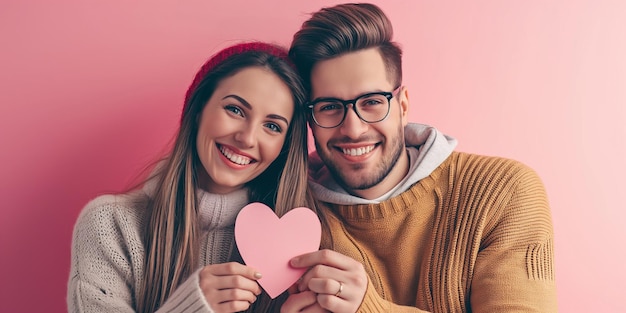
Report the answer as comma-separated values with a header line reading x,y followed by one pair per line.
x,y
370,102
331,106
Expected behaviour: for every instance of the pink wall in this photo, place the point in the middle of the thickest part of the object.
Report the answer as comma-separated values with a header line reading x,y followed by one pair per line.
x,y
91,92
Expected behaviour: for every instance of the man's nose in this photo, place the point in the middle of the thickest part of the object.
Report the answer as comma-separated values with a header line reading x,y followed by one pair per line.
x,y
352,126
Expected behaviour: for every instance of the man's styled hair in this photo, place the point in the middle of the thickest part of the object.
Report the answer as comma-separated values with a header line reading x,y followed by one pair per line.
x,y
349,27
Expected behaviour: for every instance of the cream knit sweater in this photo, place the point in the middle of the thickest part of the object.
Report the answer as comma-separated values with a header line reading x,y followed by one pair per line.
x,y
108,253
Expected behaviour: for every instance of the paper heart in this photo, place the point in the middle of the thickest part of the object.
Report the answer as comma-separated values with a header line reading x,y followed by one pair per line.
x,y
267,243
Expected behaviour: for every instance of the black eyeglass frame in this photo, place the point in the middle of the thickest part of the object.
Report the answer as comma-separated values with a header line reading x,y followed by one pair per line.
x,y
386,94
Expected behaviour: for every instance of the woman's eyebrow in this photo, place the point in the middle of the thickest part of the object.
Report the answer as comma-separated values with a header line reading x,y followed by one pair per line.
x,y
247,105
240,99
278,117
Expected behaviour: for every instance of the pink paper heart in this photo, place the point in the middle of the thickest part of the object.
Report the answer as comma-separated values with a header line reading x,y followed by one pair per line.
x,y
267,243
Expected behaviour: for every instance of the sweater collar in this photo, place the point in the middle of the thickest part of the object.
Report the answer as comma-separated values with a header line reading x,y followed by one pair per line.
x,y
427,148
220,210
214,210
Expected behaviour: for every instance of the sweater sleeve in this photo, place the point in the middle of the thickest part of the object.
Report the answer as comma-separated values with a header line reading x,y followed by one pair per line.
x,y
187,298
107,263
373,303
514,269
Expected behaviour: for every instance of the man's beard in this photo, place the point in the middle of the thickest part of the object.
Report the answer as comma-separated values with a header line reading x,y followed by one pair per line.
x,y
365,181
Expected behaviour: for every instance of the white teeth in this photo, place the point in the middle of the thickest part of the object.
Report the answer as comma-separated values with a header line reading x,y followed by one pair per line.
x,y
235,158
358,151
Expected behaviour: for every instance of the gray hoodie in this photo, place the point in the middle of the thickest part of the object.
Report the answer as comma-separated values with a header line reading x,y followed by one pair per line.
x,y
427,148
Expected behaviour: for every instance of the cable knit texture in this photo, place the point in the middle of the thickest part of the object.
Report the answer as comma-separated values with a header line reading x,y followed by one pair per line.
x,y
474,236
108,252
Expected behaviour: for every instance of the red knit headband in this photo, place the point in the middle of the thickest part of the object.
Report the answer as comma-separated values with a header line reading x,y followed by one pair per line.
x,y
225,54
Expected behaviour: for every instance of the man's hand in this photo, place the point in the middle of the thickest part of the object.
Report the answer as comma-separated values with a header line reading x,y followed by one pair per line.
x,y
334,283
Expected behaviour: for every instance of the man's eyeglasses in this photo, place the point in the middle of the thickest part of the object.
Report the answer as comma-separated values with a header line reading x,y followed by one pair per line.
x,y
370,108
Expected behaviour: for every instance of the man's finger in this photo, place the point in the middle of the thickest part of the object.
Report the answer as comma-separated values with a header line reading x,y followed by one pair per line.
x,y
323,257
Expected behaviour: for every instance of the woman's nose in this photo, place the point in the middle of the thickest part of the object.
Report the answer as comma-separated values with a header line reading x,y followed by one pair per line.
x,y
246,136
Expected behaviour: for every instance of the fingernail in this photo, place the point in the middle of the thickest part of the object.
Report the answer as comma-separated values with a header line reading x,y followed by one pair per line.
x,y
294,261
257,275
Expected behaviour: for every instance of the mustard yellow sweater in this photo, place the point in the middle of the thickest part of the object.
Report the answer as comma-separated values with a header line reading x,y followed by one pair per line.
x,y
474,236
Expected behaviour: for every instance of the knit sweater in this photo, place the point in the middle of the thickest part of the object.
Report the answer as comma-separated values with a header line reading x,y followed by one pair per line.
x,y
473,236
108,254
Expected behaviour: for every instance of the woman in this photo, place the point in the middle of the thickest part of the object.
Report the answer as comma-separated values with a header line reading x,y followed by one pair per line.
x,y
167,246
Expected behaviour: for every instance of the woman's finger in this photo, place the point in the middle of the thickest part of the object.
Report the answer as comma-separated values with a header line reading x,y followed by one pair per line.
x,y
209,281
232,268
231,306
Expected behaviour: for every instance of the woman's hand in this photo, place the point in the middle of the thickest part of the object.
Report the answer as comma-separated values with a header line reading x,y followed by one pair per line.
x,y
229,287
337,283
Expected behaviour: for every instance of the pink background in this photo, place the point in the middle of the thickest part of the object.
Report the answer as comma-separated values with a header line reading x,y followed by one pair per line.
x,y
90,91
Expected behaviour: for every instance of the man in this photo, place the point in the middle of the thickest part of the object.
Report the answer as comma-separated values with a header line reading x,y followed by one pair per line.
x,y
413,226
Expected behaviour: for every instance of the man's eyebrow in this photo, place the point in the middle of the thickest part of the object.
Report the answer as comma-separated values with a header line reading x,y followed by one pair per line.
x,y
340,99
247,105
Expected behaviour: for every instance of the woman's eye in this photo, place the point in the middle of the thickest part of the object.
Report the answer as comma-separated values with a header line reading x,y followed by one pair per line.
x,y
274,127
234,109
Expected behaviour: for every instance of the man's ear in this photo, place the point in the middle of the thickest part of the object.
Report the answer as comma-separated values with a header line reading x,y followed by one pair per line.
x,y
403,98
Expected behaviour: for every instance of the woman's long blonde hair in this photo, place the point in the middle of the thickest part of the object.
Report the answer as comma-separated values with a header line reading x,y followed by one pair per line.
x,y
171,234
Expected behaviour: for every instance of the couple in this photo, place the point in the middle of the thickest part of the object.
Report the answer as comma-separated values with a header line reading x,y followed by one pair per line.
x,y
409,225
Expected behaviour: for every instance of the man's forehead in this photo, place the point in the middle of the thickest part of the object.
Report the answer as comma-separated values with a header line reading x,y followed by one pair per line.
x,y
349,75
